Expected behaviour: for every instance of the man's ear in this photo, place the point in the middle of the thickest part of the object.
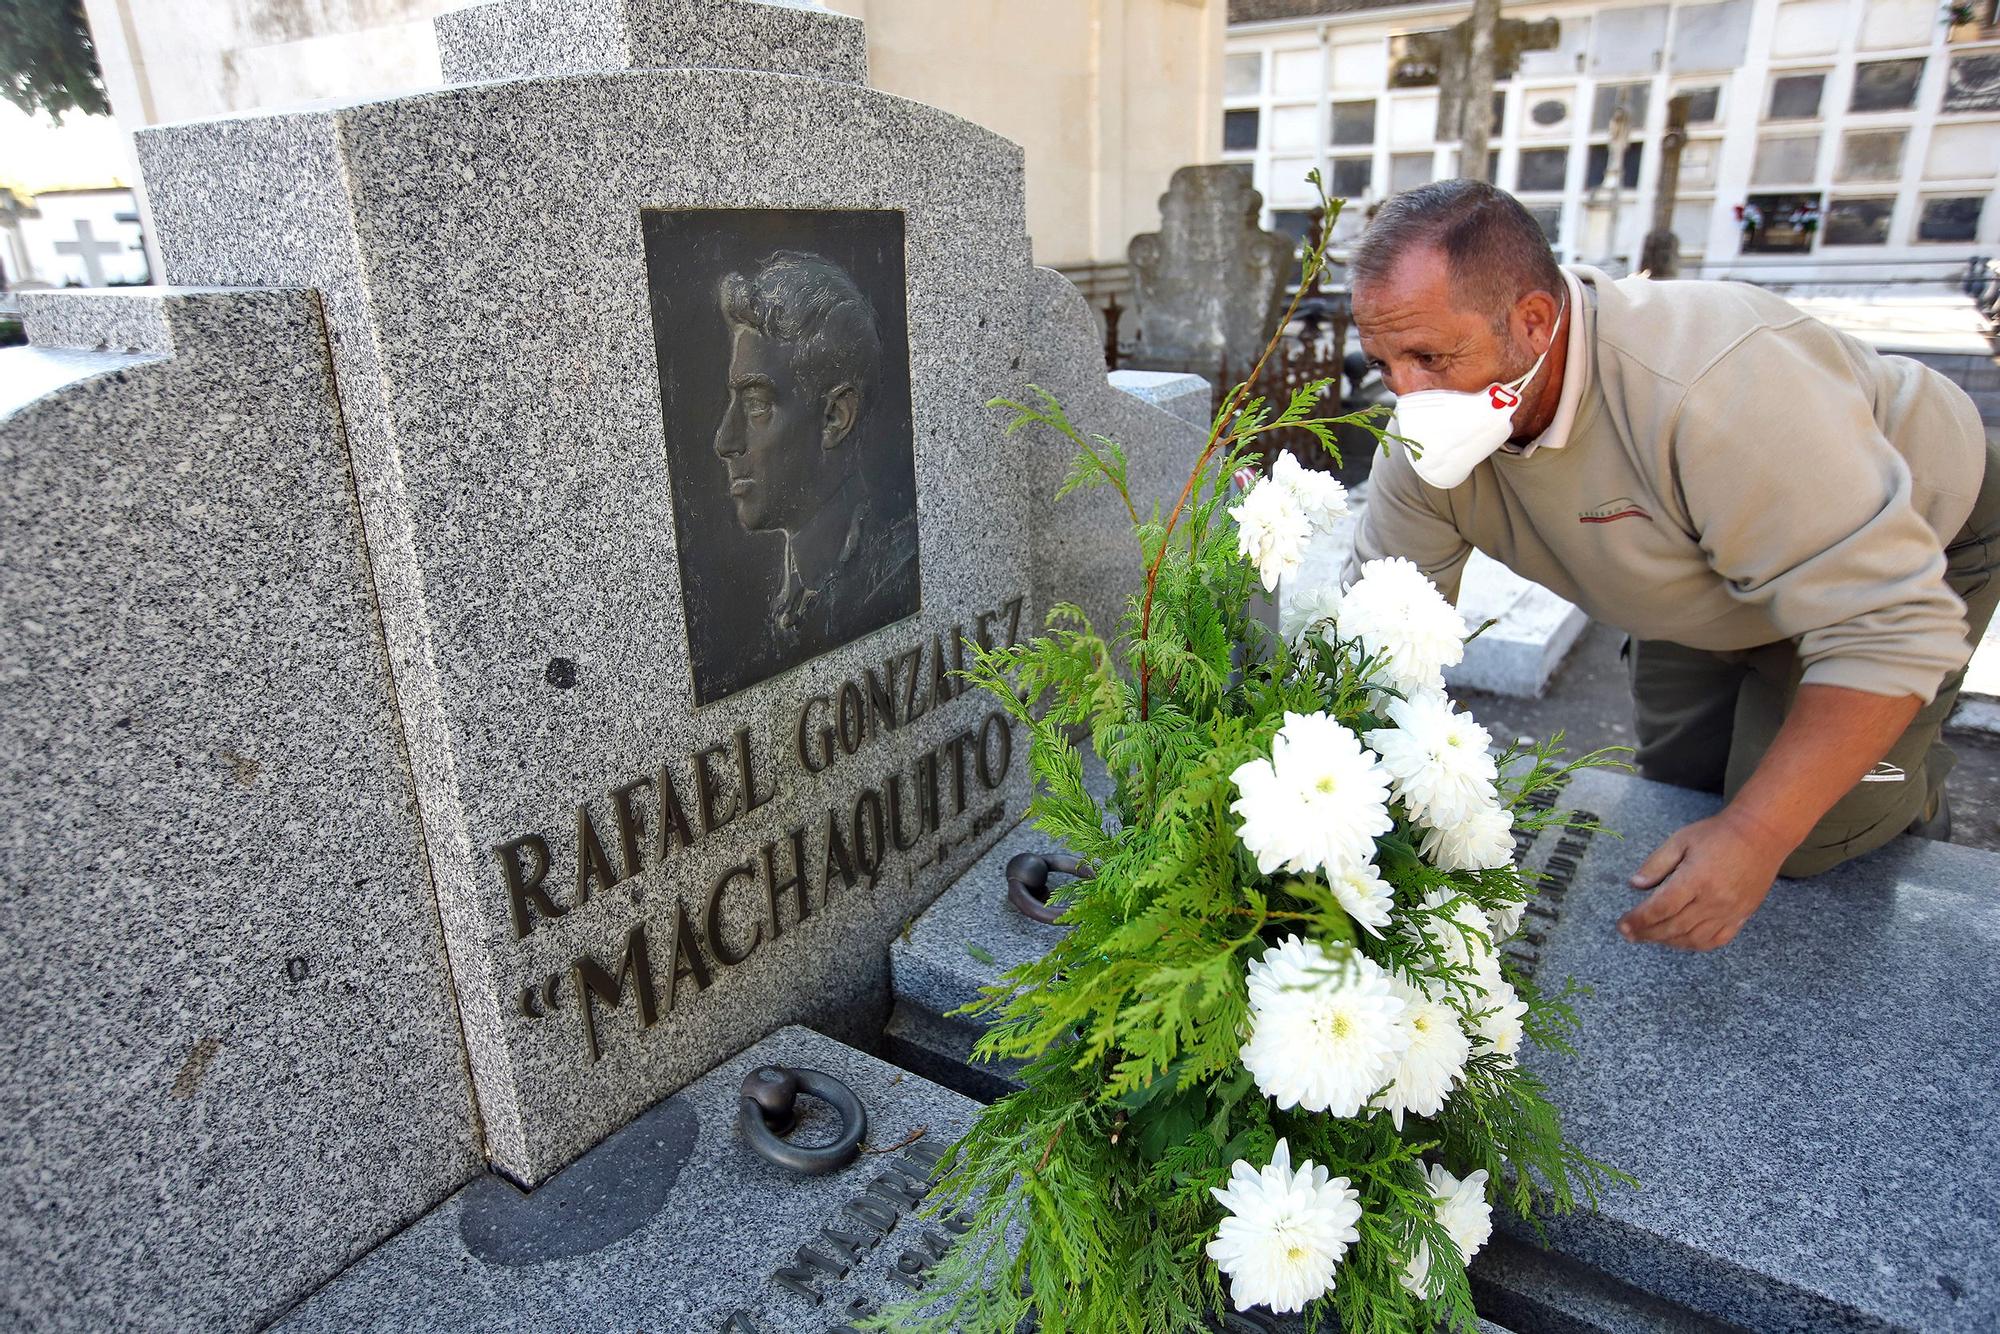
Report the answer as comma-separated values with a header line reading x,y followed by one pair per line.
x,y
1535,319
843,405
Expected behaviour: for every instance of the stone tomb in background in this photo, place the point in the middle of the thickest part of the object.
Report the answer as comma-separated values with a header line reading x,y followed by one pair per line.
x,y
396,801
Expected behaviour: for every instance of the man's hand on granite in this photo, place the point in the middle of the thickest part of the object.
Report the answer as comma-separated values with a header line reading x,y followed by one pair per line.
x,y
1707,881
1710,877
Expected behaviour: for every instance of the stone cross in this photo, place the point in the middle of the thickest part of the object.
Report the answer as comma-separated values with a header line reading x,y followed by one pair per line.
x,y
1511,37
1605,198
87,247
1475,114
1661,253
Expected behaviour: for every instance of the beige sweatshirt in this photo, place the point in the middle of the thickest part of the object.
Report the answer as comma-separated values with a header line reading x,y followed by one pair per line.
x,y
1736,473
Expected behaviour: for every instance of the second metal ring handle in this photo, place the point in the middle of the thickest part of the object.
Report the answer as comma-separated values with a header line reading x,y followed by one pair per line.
x,y
766,1110
1028,881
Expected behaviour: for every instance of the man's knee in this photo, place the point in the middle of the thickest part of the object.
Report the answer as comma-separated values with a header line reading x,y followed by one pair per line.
x,y
1860,823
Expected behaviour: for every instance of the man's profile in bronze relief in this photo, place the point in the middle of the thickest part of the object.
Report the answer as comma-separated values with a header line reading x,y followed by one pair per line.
x,y
784,354
804,369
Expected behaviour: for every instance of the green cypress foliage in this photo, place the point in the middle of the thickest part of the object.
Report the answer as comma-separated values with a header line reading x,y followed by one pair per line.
x,y
1090,1187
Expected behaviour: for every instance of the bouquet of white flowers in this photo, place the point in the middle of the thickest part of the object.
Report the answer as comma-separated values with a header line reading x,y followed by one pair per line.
x,y
1273,1062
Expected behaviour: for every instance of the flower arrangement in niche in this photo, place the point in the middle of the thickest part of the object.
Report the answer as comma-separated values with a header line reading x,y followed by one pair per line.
x,y
1274,1062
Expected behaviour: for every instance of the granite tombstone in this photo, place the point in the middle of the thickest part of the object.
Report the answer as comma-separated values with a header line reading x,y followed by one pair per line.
x,y
669,805
232,1060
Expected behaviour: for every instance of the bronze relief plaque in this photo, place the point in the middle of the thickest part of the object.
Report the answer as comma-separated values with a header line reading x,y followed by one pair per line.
x,y
783,344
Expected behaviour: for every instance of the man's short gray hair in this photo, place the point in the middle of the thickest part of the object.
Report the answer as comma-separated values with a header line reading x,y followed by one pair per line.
x,y
811,303
1493,247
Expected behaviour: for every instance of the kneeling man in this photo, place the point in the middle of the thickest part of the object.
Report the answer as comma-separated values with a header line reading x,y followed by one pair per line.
x,y
1798,534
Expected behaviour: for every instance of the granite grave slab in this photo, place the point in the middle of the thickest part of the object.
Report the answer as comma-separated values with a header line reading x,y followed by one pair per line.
x,y
675,794
676,1223
232,1061
1809,1109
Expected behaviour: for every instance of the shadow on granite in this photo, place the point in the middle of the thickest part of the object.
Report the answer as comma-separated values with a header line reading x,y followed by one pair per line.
x,y
675,1223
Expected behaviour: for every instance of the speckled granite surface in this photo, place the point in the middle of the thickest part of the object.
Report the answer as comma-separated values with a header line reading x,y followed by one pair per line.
x,y
517,38
1083,547
1810,1109
231,1061
479,256
673,1224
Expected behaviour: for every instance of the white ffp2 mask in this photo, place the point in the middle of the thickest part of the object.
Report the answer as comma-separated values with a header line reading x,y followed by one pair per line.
x,y
1456,431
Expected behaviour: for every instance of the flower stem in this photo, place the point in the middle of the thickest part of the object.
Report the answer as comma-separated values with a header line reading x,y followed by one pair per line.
x,y
1315,259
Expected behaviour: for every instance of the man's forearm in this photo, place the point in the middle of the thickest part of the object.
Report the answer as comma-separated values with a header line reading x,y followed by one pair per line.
x,y
1831,737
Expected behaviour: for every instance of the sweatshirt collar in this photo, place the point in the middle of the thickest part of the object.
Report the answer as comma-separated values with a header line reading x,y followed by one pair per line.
x,y
1576,376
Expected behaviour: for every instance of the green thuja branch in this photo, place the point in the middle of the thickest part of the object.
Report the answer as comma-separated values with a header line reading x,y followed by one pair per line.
x,y
1085,1198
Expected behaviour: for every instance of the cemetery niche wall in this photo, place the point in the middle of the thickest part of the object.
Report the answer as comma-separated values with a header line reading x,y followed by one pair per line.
x,y
564,814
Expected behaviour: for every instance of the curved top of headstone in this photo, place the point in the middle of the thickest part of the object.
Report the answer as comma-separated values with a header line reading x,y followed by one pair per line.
x,y
1210,280
513,39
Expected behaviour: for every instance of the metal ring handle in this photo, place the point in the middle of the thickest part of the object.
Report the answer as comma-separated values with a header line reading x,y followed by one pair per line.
x,y
767,1109
1028,882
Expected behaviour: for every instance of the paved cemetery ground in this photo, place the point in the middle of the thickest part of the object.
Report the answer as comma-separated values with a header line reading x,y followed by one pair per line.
x,y
1587,700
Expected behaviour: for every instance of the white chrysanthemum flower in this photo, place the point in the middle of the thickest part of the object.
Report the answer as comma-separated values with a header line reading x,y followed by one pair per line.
x,y
1398,615
1365,895
1434,1061
1464,937
1437,759
1482,841
1463,1213
1497,1016
1318,803
1506,920
1320,495
1324,1033
1309,607
1285,1232
1271,531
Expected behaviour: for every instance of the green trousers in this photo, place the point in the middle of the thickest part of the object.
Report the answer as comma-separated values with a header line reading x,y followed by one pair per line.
x,y
1705,719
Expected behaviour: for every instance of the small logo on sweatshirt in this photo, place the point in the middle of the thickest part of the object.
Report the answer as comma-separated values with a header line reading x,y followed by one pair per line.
x,y
1618,507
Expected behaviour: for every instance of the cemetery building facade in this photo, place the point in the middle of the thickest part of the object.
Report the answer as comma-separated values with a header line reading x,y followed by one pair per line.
x,y
1862,137
1107,97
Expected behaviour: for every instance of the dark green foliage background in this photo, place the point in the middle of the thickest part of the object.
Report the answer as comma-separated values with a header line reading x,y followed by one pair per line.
x,y
47,60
